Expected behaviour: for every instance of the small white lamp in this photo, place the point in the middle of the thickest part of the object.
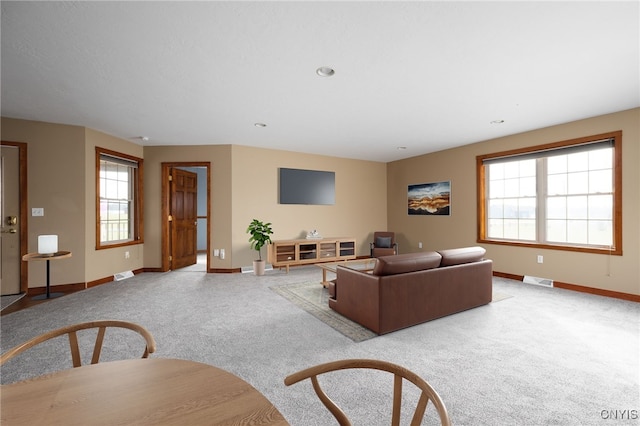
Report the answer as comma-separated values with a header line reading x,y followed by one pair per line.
x,y
47,245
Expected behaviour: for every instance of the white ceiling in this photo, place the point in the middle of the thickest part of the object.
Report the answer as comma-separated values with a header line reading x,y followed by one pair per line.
x,y
422,75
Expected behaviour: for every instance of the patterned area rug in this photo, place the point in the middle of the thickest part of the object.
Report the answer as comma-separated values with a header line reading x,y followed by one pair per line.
x,y
312,297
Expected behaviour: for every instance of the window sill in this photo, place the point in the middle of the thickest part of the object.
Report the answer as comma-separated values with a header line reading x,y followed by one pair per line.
x,y
581,249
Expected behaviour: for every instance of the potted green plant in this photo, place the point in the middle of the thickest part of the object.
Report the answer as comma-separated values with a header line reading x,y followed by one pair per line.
x,y
260,235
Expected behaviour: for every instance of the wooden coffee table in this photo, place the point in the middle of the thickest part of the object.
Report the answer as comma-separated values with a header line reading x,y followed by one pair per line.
x,y
364,265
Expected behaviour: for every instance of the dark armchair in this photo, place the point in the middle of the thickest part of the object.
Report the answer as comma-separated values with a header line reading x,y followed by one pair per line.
x,y
384,244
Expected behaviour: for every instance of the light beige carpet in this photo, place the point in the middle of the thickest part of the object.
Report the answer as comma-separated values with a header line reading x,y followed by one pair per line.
x,y
312,297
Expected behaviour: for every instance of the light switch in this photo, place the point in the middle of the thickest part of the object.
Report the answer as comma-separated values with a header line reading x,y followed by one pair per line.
x,y
37,211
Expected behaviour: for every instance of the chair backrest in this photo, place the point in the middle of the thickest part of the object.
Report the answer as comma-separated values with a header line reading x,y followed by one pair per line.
x,y
400,374
384,244
384,234
71,331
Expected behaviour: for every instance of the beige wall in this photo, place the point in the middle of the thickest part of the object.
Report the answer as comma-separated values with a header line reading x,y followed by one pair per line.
x,y
616,273
56,182
219,157
61,179
105,262
359,210
61,164
244,186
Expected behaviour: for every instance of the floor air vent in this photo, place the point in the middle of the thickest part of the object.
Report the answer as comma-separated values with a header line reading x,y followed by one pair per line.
x,y
545,282
122,275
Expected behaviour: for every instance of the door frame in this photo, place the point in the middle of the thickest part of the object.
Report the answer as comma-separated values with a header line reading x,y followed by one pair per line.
x,y
166,208
23,225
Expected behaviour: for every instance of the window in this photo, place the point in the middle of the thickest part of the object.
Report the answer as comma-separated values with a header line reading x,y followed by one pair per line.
x,y
565,195
118,199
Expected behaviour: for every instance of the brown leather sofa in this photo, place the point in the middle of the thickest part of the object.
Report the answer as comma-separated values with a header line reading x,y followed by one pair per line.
x,y
409,289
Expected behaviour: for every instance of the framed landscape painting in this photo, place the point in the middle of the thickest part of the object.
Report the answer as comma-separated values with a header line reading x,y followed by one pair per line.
x,y
430,199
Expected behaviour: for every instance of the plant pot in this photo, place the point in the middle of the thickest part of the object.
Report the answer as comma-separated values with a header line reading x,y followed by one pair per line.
x,y
258,267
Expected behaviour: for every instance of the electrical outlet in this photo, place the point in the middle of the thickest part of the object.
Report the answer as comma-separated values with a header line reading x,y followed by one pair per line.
x,y
540,258
420,244
126,255
221,253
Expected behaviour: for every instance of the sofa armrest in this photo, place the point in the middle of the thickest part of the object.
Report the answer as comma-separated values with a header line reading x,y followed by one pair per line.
x,y
357,297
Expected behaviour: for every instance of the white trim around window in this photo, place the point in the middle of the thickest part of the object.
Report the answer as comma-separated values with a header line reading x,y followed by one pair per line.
x,y
118,199
564,195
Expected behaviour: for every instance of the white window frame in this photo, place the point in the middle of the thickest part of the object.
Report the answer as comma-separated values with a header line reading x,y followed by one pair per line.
x,y
532,221
125,192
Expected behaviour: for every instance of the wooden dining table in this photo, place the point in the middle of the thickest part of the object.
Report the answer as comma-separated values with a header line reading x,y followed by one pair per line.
x,y
150,391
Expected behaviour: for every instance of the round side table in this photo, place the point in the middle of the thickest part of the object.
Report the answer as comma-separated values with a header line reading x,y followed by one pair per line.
x,y
29,257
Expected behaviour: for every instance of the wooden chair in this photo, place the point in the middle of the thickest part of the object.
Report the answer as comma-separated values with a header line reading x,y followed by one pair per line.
x,y
400,373
71,331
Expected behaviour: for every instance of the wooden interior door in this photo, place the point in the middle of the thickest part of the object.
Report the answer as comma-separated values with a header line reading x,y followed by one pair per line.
x,y
184,218
10,216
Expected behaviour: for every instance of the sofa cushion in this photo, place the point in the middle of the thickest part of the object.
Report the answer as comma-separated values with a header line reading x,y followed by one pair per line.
x,y
383,242
461,255
408,262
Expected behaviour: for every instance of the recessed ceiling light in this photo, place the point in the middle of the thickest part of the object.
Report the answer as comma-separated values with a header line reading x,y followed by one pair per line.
x,y
260,125
144,138
325,71
401,148
497,122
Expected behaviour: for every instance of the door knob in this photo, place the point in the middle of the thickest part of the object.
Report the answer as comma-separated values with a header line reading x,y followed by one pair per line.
x,y
12,220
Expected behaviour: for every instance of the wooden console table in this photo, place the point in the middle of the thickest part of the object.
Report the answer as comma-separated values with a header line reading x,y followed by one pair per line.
x,y
309,251
55,256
